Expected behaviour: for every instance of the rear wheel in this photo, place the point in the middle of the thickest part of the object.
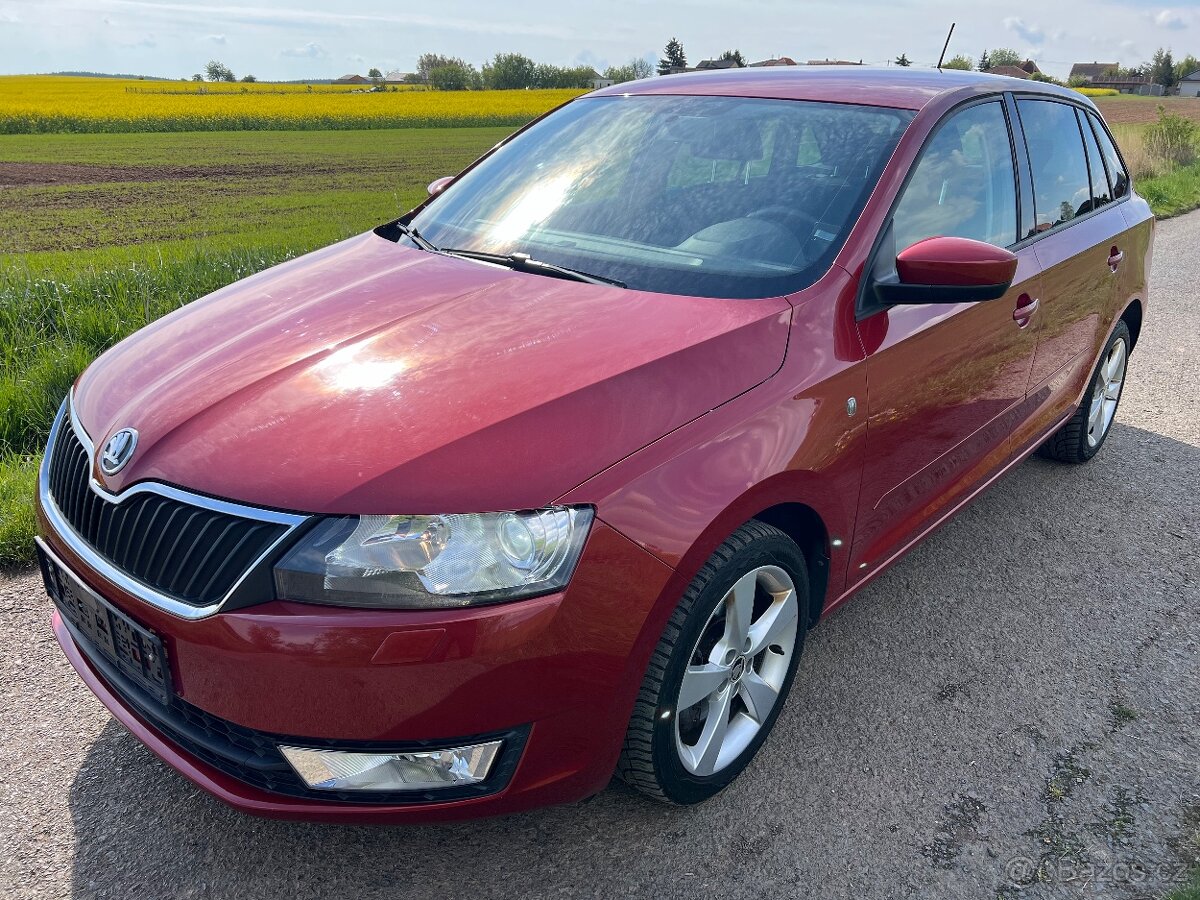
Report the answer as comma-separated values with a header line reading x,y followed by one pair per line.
x,y
721,671
1084,433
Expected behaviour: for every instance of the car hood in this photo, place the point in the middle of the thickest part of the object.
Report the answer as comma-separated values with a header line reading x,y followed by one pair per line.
x,y
372,378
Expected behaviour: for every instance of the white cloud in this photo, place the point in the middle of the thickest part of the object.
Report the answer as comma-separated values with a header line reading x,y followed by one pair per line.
x,y
216,38
1170,19
1026,31
311,50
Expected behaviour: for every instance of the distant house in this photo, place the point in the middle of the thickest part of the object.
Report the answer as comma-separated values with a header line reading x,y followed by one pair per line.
x,y
599,81
1010,71
833,62
1128,84
705,64
1189,85
1088,71
397,77
777,61
352,79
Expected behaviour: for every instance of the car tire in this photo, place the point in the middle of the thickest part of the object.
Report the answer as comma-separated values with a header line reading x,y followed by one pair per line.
x,y
1082,436
666,755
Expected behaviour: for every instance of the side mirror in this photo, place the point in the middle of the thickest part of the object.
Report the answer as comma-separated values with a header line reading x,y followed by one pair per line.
x,y
436,187
948,270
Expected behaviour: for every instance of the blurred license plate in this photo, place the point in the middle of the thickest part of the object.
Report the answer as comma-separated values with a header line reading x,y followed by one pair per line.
x,y
136,651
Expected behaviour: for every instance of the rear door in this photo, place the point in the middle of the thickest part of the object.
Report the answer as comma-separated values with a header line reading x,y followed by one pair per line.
x,y
946,382
1078,236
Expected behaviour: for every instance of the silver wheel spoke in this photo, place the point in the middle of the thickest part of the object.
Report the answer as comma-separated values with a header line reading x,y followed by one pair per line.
x,y
1094,413
739,607
700,682
707,750
758,696
1116,361
773,623
1113,391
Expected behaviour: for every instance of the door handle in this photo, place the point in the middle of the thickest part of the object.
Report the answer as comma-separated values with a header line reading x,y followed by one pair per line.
x,y
1026,307
1114,258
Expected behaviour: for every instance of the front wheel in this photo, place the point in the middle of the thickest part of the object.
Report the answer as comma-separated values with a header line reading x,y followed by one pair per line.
x,y
1082,436
721,671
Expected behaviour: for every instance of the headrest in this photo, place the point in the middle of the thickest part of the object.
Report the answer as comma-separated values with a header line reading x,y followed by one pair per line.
x,y
716,137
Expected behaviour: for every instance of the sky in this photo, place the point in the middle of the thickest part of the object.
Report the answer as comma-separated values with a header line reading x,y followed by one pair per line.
x,y
296,39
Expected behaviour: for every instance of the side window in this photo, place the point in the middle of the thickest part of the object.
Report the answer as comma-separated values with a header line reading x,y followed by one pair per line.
x,y
1116,171
963,184
1100,194
1061,189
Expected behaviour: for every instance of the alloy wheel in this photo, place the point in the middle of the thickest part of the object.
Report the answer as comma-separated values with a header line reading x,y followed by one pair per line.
x,y
1107,393
736,670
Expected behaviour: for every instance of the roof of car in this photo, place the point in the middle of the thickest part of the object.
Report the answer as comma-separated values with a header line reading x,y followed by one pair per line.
x,y
904,88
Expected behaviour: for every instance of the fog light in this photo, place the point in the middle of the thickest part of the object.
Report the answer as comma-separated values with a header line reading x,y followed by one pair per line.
x,y
343,770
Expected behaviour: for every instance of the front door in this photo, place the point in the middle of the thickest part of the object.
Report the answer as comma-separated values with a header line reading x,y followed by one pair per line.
x,y
946,382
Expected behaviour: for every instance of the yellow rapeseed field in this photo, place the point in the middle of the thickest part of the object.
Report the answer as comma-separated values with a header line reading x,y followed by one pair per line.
x,y
55,103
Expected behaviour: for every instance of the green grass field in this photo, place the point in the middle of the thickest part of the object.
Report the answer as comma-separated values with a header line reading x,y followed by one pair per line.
x,y
101,233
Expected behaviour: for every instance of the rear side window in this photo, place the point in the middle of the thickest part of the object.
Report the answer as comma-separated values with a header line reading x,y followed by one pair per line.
x,y
1117,176
1061,189
963,184
1100,189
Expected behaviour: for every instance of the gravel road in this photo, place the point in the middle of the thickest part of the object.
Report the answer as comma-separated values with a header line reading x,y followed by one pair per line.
x,y
1010,712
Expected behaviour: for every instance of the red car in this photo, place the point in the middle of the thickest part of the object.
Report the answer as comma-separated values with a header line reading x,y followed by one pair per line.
x,y
550,477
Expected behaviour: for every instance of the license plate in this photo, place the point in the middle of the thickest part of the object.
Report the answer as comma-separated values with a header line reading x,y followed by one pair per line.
x,y
137,652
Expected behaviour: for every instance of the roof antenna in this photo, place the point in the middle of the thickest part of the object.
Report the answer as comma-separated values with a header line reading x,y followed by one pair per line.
x,y
944,46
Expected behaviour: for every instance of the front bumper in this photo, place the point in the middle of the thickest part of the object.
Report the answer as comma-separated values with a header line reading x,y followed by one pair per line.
x,y
555,675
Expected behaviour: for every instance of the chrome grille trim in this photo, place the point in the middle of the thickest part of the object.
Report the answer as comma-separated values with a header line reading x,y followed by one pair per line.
x,y
117,576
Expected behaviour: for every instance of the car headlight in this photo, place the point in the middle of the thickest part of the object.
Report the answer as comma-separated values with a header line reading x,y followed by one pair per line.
x,y
426,562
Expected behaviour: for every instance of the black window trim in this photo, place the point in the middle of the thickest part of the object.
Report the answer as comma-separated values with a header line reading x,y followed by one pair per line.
x,y
864,306
1065,101
1097,124
1081,122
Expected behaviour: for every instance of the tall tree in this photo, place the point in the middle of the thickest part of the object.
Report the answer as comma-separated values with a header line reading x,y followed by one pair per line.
x,y
374,73
633,70
1186,67
427,62
509,71
985,61
903,61
218,71
1162,68
961,61
1004,56
736,56
454,75
674,58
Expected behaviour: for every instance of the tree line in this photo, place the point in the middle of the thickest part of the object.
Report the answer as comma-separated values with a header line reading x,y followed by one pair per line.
x,y
514,71
1161,68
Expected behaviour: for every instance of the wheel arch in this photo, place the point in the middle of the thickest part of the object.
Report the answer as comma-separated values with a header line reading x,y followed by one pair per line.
x,y
804,525
1132,317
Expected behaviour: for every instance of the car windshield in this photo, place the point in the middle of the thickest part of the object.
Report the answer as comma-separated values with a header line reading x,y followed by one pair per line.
x,y
704,196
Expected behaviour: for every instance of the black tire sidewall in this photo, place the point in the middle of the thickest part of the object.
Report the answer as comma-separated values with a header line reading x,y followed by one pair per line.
x,y
676,782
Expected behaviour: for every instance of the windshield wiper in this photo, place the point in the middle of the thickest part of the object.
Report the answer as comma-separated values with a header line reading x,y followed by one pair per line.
x,y
415,236
522,262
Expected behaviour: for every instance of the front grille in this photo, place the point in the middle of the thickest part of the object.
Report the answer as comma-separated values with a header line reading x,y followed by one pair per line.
x,y
253,756
187,552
